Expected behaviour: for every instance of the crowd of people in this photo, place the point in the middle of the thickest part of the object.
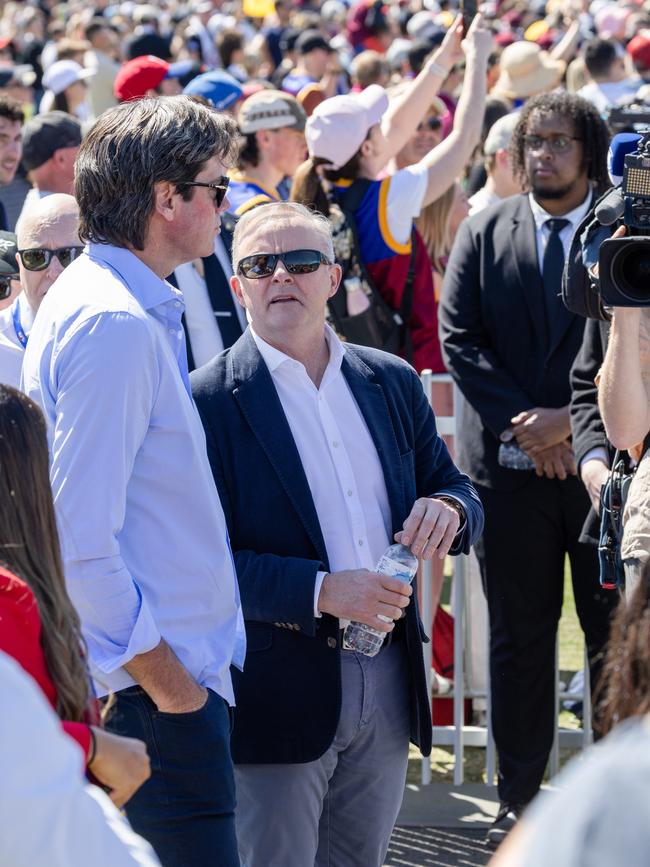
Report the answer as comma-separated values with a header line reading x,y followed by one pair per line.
x,y
232,234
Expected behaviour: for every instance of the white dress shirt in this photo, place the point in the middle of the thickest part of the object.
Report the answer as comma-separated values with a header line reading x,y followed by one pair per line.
x,y
49,815
143,534
338,456
542,231
11,349
202,324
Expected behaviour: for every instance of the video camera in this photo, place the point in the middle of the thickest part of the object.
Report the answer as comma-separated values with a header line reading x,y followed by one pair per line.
x,y
624,263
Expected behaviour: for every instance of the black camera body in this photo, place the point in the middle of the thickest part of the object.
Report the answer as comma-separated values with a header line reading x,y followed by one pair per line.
x,y
624,263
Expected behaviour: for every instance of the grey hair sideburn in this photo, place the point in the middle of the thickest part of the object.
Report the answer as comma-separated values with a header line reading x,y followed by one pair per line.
x,y
134,146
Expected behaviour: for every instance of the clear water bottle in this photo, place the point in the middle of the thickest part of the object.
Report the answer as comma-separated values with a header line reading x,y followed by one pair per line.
x,y
512,457
397,561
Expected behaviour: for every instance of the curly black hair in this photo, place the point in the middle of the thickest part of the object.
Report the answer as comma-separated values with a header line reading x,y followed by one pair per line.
x,y
588,126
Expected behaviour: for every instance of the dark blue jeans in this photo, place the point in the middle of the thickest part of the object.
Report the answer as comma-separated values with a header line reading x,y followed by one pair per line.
x,y
186,809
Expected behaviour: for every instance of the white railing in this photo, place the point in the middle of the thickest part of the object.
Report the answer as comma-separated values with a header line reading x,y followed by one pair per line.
x,y
459,735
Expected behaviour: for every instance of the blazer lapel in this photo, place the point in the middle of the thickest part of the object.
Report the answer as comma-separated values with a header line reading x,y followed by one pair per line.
x,y
258,400
371,400
524,249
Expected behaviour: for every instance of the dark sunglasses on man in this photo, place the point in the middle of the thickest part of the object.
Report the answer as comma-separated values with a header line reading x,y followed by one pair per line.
x,y
220,188
295,261
38,258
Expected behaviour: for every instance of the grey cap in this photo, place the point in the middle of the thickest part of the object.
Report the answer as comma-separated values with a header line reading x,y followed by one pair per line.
x,y
46,133
498,138
271,109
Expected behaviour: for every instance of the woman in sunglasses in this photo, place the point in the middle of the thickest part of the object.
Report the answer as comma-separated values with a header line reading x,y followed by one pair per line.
x,y
48,240
39,625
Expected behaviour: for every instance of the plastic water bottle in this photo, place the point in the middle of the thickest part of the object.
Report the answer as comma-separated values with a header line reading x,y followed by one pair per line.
x,y
512,457
397,561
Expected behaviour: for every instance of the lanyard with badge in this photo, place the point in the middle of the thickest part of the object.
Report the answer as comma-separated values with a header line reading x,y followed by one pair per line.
x,y
18,328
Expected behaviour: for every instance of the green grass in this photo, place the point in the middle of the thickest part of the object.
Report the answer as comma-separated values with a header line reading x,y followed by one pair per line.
x,y
571,660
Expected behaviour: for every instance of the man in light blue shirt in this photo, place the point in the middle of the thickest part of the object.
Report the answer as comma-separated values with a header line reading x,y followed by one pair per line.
x,y
143,535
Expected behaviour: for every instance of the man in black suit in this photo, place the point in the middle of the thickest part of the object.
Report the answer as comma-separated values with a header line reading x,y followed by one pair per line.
x,y
213,320
323,453
509,343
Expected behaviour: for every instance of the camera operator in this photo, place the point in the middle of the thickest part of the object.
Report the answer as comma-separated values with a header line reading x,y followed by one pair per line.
x,y
624,399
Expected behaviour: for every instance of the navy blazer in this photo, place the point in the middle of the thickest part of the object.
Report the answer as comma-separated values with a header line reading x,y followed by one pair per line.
x,y
289,695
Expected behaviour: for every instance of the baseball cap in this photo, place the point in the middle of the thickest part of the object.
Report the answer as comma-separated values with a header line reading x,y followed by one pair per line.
x,y
339,126
145,73
45,133
270,109
22,75
8,248
219,88
311,40
63,73
639,50
498,138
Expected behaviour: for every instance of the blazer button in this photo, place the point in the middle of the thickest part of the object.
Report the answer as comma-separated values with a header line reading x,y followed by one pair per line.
x,y
296,626
331,642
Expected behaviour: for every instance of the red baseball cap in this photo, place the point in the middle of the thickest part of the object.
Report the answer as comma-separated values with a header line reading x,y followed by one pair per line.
x,y
639,50
145,73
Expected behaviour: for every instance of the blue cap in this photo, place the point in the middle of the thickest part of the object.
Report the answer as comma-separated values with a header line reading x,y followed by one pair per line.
x,y
219,88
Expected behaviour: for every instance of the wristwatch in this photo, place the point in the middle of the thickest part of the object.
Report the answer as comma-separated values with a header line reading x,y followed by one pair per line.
x,y
460,511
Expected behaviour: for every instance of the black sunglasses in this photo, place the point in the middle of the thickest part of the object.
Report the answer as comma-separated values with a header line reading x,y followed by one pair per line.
x,y
220,187
295,261
38,258
431,123
5,287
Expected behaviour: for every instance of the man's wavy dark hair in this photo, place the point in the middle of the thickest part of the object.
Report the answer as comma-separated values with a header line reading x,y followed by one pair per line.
x,y
588,126
134,146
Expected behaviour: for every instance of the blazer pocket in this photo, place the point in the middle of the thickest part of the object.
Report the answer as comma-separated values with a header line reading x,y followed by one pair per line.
x,y
259,636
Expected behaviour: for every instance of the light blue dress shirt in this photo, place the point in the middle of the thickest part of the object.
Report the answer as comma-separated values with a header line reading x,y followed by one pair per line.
x,y
143,535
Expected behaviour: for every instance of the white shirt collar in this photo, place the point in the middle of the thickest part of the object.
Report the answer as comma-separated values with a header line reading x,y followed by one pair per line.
x,y
575,217
273,357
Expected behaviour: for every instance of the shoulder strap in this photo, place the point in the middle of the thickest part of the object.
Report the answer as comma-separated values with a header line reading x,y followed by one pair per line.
x,y
353,196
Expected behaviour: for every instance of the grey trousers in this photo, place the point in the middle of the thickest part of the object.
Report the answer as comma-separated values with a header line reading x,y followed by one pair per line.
x,y
339,810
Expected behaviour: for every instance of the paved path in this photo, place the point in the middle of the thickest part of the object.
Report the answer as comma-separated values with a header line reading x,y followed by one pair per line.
x,y
443,826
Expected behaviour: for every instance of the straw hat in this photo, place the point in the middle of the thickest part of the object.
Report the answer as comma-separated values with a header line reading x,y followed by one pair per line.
x,y
526,70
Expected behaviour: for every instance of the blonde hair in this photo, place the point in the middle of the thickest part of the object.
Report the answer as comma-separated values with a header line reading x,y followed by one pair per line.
x,y
433,225
283,213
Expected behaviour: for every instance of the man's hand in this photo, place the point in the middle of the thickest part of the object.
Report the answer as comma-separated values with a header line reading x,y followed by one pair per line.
x,y
556,462
594,475
540,428
361,595
430,528
166,680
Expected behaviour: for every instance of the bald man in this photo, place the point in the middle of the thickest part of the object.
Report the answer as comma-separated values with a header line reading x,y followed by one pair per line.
x,y
48,240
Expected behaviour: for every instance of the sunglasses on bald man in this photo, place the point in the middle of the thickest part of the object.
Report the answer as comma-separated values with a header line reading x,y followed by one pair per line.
x,y
295,261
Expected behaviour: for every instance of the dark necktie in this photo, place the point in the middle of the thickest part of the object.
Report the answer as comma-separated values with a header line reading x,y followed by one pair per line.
x,y
222,302
552,268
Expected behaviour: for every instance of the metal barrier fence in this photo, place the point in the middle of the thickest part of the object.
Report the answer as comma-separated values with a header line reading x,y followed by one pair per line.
x,y
459,735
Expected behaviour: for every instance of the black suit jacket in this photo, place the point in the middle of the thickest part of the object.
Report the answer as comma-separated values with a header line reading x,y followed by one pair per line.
x,y
494,335
289,695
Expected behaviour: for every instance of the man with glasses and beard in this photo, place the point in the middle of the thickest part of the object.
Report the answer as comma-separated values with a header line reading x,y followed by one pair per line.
x,y
144,540
509,343
48,240
323,453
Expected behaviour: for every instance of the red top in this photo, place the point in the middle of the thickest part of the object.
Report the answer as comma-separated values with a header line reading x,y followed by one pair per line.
x,y
20,637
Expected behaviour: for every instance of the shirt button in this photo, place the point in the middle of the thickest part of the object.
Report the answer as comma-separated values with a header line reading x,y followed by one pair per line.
x,y
171,331
335,443
331,642
361,543
350,493
177,303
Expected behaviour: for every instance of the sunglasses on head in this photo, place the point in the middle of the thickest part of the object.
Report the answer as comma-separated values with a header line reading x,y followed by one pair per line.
x,y
38,258
295,261
219,187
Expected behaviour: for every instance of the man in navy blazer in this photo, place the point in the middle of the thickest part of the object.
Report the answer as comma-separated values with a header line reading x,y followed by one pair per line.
x,y
323,454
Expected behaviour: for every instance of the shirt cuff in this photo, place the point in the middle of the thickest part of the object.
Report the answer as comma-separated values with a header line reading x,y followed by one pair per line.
x,y
320,577
599,453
